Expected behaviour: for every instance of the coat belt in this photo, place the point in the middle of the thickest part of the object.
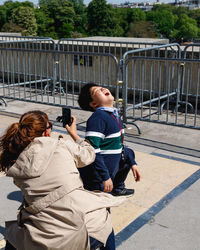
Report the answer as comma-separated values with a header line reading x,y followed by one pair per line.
x,y
52,197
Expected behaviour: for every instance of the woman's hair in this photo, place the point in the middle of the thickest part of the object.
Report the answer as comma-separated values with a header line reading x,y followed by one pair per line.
x,y
19,135
85,97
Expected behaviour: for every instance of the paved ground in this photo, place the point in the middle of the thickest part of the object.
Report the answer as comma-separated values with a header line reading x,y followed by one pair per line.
x,y
164,212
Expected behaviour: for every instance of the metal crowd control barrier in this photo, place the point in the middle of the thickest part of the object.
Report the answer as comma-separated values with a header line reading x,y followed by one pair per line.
x,y
116,48
45,75
47,44
15,60
190,87
85,61
110,46
153,80
73,69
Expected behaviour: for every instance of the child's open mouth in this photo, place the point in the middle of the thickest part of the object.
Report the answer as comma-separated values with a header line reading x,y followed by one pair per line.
x,y
107,93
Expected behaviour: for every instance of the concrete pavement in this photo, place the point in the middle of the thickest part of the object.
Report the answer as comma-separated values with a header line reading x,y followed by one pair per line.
x,y
163,213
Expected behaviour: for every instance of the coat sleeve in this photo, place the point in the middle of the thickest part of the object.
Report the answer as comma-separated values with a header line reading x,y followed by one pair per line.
x,y
130,156
82,152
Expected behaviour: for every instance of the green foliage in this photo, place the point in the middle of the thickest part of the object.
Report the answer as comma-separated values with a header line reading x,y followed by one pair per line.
x,y
183,19
102,20
62,14
136,15
65,30
121,15
186,28
44,24
60,10
141,29
173,22
127,16
98,16
164,21
11,27
159,7
80,19
180,11
79,6
24,17
195,14
71,18
10,6
2,16
6,11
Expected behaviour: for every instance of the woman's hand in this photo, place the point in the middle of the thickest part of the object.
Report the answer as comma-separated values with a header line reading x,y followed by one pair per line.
x,y
72,129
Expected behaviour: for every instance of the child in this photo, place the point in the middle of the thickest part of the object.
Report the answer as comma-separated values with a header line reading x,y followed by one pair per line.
x,y
105,132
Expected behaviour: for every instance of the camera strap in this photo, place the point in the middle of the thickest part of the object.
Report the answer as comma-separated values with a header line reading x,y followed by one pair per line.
x,y
119,123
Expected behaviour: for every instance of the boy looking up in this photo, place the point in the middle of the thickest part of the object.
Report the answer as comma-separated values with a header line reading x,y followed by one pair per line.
x,y
105,132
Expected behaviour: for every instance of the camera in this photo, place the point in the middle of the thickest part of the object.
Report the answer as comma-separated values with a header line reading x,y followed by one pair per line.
x,y
66,117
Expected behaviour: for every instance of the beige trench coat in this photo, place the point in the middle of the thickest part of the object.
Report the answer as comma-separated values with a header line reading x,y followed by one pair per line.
x,y
60,213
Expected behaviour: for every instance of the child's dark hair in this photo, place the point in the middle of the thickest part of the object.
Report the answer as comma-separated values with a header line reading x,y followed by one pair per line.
x,y
85,98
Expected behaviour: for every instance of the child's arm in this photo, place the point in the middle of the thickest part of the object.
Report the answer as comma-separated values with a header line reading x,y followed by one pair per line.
x,y
108,185
129,153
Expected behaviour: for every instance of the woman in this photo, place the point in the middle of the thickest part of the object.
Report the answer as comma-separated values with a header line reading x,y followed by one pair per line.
x,y
57,212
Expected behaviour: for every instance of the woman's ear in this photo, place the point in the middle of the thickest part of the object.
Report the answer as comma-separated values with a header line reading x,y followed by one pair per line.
x,y
46,133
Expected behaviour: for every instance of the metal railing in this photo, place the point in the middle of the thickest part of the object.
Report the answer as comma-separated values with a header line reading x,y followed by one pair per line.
x,y
116,48
28,44
19,38
44,75
155,83
109,46
162,101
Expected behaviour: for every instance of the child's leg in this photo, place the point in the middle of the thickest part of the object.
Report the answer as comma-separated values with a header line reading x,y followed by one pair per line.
x,y
90,181
110,243
95,244
9,246
120,177
125,166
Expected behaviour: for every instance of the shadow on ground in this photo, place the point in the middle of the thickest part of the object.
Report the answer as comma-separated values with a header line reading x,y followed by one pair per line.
x,y
16,196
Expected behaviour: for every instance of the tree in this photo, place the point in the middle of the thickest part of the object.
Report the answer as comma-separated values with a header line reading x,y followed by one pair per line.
x,y
122,16
80,18
11,27
44,24
24,17
186,28
164,21
195,14
142,29
2,16
159,7
10,6
180,11
62,14
102,20
136,15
